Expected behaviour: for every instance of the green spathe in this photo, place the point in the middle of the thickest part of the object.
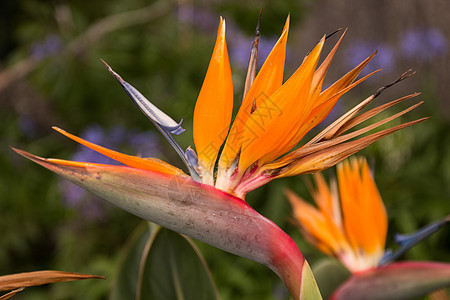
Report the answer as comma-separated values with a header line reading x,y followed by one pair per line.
x,y
404,280
188,207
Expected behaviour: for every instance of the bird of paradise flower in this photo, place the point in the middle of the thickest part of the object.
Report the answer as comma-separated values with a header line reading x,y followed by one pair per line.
x,y
208,204
350,223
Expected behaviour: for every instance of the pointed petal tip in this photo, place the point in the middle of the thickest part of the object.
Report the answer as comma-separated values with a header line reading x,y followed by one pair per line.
x,y
211,122
222,24
407,241
338,30
369,75
334,32
258,24
371,56
22,152
177,130
422,119
112,72
19,281
63,132
104,62
32,157
58,166
49,163
345,31
56,128
287,23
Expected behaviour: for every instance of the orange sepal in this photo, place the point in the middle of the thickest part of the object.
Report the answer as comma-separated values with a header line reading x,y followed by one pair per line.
x,y
268,80
378,213
361,207
321,111
345,81
319,75
151,164
274,124
213,109
323,102
322,195
326,100
317,226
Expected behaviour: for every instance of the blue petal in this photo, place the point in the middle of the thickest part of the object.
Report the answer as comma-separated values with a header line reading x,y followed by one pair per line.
x,y
407,241
166,125
414,238
192,157
154,114
177,130
387,257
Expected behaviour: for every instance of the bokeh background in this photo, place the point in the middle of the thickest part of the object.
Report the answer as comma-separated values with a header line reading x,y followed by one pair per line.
x,y
51,74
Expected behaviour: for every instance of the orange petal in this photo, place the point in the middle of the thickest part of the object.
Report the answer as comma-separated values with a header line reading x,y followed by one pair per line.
x,y
270,77
321,111
350,203
319,75
270,129
328,98
361,206
152,164
268,80
310,148
319,228
212,114
377,209
346,80
317,157
371,113
322,195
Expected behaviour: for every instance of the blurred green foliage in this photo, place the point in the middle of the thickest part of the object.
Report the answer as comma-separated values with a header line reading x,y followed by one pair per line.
x,y
157,263
165,57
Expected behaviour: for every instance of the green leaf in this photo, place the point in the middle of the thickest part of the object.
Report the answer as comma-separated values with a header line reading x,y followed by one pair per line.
x,y
161,264
126,282
329,274
175,269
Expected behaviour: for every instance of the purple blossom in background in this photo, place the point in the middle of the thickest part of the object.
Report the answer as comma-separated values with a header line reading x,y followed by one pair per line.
x,y
95,134
423,44
51,45
143,143
241,46
185,13
27,126
337,111
201,19
360,50
265,46
239,50
87,205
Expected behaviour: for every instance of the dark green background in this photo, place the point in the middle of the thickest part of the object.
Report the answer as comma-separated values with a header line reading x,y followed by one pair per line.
x,y
165,57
